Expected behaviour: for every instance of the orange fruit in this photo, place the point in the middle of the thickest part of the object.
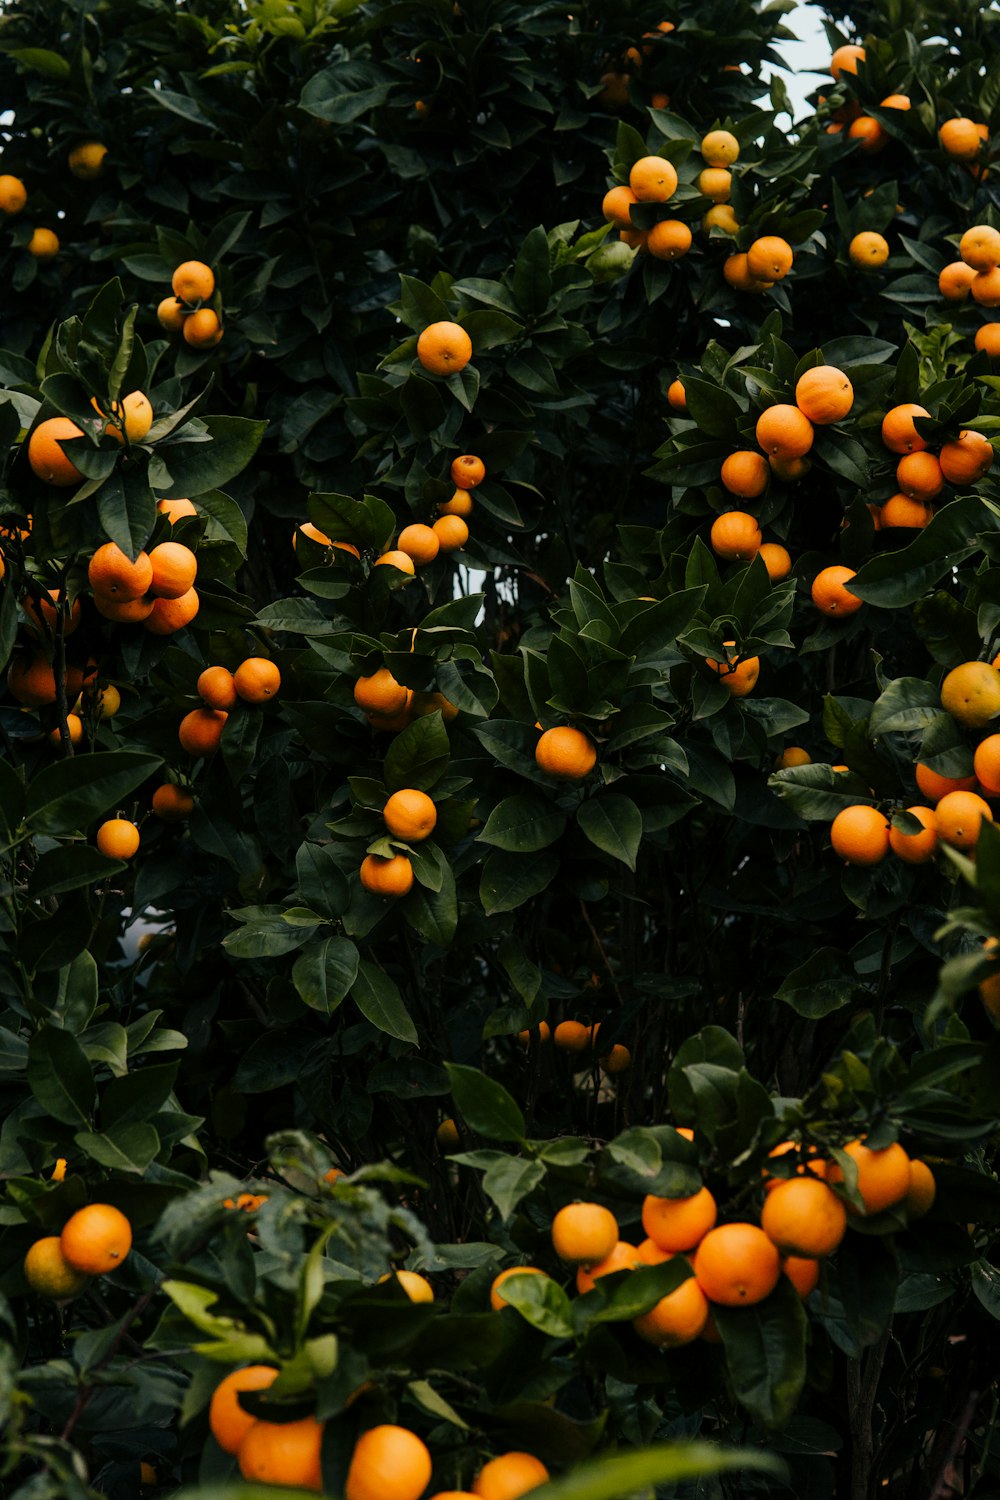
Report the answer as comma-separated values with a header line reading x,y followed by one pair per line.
x,y
247,1203
285,1453
175,568
883,1176
736,272
216,687
128,612
955,281
419,543
815,1166
256,679
960,139
410,815
615,1061
720,148
497,1301
13,195
830,594
444,348
959,817
387,877
802,1273
745,473
48,1272
170,314
965,459
41,615
804,1218
769,258
900,511
202,329
45,456
176,510
31,680
919,476
986,762
460,504
788,469
650,1253
868,249
824,395
43,245
584,1234
653,180
669,240
118,838
74,731
96,1239
721,216
869,133
467,471
566,753
898,432
793,756
193,281
623,1257
677,1224
979,247
677,399
735,535
228,1420
860,835
380,693
737,1265
916,848
845,59
416,1287
716,183
133,417
678,1318
572,1036
635,238
509,1477
200,731
451,532
172,804
389,1463
777,560
922,1190
971,694
447,1136
616,205
896,101
784,431
985,287
114,576
167,616
988,339
738,674
422,704
395,559
935,787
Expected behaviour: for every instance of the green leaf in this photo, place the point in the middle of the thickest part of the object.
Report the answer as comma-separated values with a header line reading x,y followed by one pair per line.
x,y
766,1353
65,797
68,868
638,1473
508,880
419,756
380,1002
324,972
485,1104
42,60
186,467
542,1303
508,1179
894,579
12,794
523,824
60,1077
613,823
126,1148
826,982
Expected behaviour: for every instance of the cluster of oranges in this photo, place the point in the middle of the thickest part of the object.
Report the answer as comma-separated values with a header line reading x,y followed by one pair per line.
x,y
256,680
577,1037
93,1242
156,590
187,311
922,474
409,816
127,421
86,162
977,274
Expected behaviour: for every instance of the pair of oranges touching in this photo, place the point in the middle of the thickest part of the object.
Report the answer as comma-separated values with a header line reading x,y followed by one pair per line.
x,y
256,680
93,1242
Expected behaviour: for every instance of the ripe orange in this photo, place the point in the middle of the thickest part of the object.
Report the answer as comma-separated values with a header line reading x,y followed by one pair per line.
x,y
678,1318
959,817
96,1239
401,560
736,271
669,240
955,281
815,1166
896,101
769,258
824,395
114,576
738,674
650,1253
860,835
653,180
13,195
43,245
572,1036
172,804
883,1176
988,339
285,1453
802,1273
784,431
387,877
719,148
419,543
678,400
444,348
451,532
497,1301
677,1224
74,731
960,139
31,680
971,694
216,687
845,59
389,1463
380,693
986,761
176,510
737,1265
170,314
899,511
919,476
803,1217
48,1272
416,1287
228,1420
200,731
47,459
965,459
721,216
202,329
898,431
777,560
735,535
256,679
460,504
745,473
447,1136
716,183
193,281
623,1257
509,1477
934,787
410,815
616,1061
830,594
41,615
118,838
868,249
134,413
584,1234
922,1190
867,130
979,247
467,471
793,756
175,568
916,848
566,753
985,287
616,205
167,616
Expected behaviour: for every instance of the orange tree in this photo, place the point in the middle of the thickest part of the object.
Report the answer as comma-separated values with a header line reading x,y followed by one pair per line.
x,y
499,612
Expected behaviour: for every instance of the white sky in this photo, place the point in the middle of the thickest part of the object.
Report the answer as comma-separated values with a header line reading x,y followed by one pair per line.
x,y
811,51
